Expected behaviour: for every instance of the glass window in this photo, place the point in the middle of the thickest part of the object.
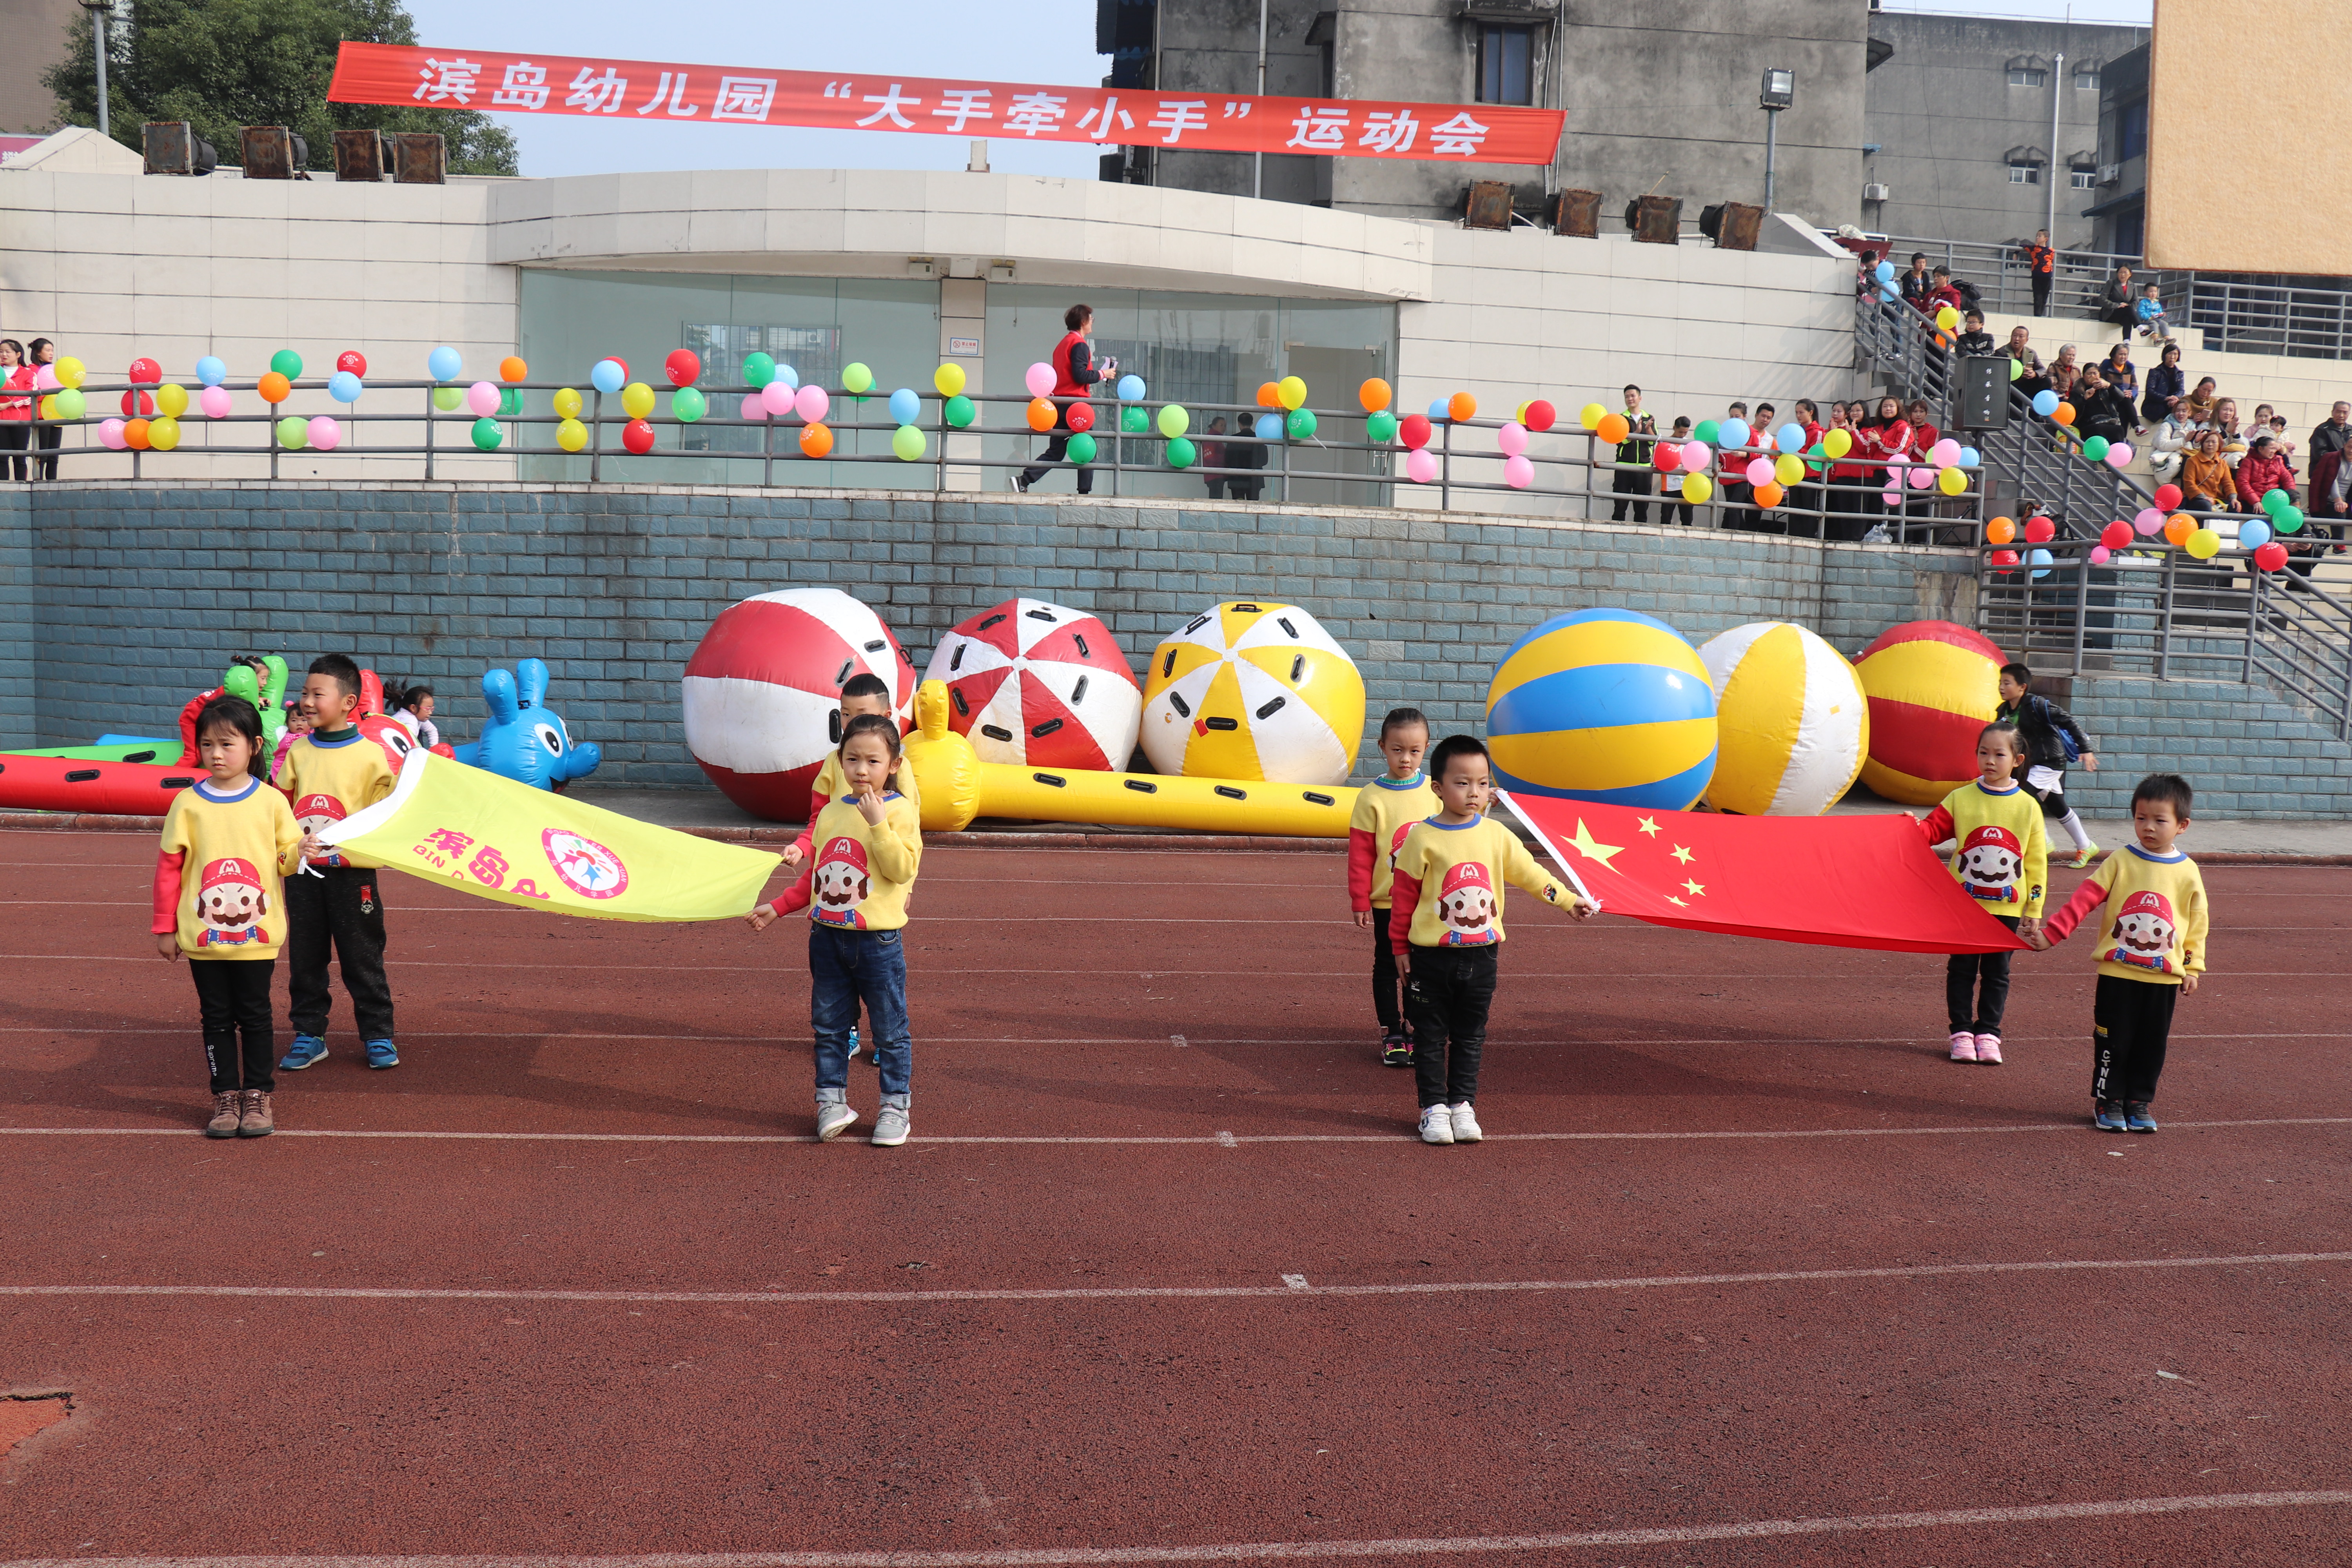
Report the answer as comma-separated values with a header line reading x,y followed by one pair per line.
x,y
2027,76
2025,174
1505,73
2131,129
2082,179
2086,79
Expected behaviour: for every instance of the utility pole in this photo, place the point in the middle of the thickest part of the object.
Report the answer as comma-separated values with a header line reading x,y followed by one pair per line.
x,y
1780,92
2050,170
1258,159
97,10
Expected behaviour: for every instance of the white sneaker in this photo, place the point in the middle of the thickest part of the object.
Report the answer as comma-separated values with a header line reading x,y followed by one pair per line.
x,y
833,1119
1464,1118
1436,1124
890,1126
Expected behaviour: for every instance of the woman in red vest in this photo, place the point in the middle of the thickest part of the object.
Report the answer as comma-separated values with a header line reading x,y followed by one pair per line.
x,y
1074,372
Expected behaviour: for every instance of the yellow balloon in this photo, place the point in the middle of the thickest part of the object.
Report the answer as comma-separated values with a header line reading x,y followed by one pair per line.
x,y
70,371
2204,544
1291,391
1788,468
171,401
164,433
1947,318
571,434
1590,415
1837,443
1951,481
1697,488
49,407
636,400
949,379
567,402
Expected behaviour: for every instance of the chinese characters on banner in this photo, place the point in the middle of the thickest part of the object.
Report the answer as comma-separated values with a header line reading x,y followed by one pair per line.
x,y
562,84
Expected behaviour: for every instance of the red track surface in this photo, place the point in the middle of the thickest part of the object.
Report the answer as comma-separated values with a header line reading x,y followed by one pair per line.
x,y
1062,1321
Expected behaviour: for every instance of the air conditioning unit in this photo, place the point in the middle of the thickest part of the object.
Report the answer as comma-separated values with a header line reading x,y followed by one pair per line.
x,y
1874,193
2111,174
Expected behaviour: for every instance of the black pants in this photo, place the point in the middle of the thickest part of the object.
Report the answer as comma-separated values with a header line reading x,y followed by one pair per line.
x,y
1852,506
16,436
2054,800
1628,484
1803,502
2131,1022
1384,977
1668,508
233,997
1976,988
2042,281
1446,997
1058,450
48,440
344,910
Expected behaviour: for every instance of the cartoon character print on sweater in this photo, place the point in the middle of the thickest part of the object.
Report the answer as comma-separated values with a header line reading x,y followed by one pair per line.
x,y
316,814
840,884
1990,861
1465,904
2143,933
230,904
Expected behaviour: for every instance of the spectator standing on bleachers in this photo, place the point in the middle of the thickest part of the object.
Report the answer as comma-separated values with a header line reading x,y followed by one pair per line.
x,y
2329,439
1888,440
1852,504
1632,483
47,438
1805,499
1940,293
2119,301
1670,486
1212,458
2206,482
2041,262
2166,384
15,411
1917,284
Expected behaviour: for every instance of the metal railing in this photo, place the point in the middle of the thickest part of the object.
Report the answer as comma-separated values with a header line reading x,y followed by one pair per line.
x,y
2002,276
2301,319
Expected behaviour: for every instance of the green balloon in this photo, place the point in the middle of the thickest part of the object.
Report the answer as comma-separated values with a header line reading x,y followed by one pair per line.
x,y
1134,420
759,369
486,434
1708,431
448,399
1081,447
960,411
287,362
510,402
857,378
2287,519
688,404
292,434
1300,424
2273,498
1180,452
2016,368
1381,425
1174,422
69,403
2095,447
908,442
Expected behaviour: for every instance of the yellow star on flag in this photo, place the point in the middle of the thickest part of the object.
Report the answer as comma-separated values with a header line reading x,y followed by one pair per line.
x,y
1682,854
1693,888
1585,845
1649,825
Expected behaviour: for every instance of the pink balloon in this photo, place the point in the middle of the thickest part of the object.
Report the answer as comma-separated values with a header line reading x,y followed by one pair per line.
x,y
1421,466
810,402
1512,439
2118,454
775,397
111,436
482,397
1517,472
2147,524
325,434
1893,496
1039,379
44,378
1944,452
215,402
1759,470
1920,477
1696,456
2098,555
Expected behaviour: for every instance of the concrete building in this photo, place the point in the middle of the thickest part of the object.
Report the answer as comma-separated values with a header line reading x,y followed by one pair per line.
x,y
1959,108
2119,212
1659,99
37,34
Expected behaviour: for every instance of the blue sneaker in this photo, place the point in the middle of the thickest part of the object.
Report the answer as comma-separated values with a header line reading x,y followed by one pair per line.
x,y
2136,1118
2109,1117
307,1048
851,1054
380,1054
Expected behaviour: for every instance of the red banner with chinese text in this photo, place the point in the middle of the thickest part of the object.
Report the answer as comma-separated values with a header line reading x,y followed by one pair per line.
x,y
746,95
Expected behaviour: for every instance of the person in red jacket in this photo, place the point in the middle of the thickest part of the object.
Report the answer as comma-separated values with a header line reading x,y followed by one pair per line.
x,y
1886,437
2262,470
1074,372
15,412
2042,263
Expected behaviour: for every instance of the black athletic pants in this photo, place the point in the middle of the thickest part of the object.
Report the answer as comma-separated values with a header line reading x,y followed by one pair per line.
x,y
1057,450
1976,988
2042,281
2131,1022
1446,997
343,910
16,436
1629,484
2054,801
233,998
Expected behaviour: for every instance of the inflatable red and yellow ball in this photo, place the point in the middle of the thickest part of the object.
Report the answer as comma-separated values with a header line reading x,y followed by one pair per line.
x,y
1933,687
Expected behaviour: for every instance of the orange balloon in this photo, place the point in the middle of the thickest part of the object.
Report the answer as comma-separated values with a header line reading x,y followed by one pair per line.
x,y
2000,531
816,440
1612,429
1461,407
134,433
274,388
512,368
2063,414
1373,394
1042,413
2179,527
1769,494
1269,395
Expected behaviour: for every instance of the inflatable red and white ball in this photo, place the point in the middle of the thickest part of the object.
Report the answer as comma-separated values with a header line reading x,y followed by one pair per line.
x,y
1036,683
1933,687
763,692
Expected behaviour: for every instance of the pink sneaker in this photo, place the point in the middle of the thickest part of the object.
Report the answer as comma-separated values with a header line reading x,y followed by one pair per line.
x,y
1988,1049
1964,1045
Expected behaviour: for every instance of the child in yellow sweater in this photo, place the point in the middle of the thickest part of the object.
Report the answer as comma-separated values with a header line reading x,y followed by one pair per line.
x,y
2002,856
1384,809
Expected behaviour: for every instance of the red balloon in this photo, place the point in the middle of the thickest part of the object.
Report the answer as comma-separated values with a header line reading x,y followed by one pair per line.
x,y
2116,535
145,373
2004,557
682,367
351,360
2269,557
1540,415
625,376
1665,457
2167,498
144,407
2039,530
1414,430
1081,417
637,435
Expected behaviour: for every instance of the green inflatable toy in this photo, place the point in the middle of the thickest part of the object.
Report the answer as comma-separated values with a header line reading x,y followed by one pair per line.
x,y
268,697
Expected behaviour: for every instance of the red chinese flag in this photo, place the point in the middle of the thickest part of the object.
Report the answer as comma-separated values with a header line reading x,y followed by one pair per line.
x,y
1835,881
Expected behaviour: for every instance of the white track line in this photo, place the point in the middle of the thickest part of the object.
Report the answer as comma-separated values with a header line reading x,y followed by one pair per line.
x,y
177,1031
1177,1293
1264,1551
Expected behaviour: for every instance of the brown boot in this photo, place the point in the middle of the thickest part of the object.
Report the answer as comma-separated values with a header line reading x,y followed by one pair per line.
x,y
258,1121
226,1114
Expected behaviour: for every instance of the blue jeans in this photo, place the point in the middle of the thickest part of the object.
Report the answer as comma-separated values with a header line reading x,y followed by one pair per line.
x,y
846,967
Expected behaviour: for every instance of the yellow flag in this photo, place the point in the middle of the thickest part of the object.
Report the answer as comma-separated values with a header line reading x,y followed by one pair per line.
x,y
496,838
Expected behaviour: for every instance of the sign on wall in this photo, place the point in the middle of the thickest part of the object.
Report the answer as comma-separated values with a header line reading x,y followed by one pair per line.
x,y
646,91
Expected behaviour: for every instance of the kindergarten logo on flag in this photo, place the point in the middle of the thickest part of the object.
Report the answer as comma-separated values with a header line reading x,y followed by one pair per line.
x,y
584,866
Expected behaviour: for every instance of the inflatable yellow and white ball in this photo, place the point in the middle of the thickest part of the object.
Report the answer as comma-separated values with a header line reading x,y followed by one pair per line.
x,y
1792,723
1252,690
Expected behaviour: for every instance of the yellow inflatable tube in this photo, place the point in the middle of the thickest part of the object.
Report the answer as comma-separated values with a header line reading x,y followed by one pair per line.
x,y
956,786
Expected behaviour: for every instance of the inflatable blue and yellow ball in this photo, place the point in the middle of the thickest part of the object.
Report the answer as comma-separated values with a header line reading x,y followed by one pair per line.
x,y
1604,705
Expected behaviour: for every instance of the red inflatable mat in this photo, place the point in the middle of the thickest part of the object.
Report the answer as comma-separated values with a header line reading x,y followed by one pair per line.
x,y
71,783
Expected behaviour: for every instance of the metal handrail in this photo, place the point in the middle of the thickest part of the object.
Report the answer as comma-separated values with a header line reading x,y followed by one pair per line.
x,y
2001,274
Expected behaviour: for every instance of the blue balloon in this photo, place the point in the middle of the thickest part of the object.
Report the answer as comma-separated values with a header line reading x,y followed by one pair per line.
x,y
1888,289
904,405
443,364
211,372
2254,534
1131,389
1269,427
789,376
1884,273
1438,411
1970,457
608,375
344,387
1793,437
2046,403
2040,560
1732,432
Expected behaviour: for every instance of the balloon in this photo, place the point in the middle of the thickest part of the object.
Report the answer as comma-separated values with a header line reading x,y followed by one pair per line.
x,y
2178,528
1949,319
285,362
816,440
1374,395
682,367
487,434
754,406
1512,439
1888,292
2062,415
1788,468
1538,415
1592,414
776,398
1696,486
1837,443
1769,494
948,380
1883,272
292,432
134,433
1461,407
1421,466
513,368
1268,394
1414,430
571,435
211,371
350,360
164,433
2040,531
1665,457
2287,519
2117,535
2016,368
2254,534
1945,453
70,371
2167,495
2040,560
1039,379
2204,544
1970,457
1892,495
1758,470
1614,429
1269,427
688,404
1300,424
69,404
1042,413
44,378
1696,456
1519,473
2147,520
637,435
444,363
109,436
274,388
1134,421
1174,421
2119,454
215,402
321,432
448,399
960,411
636,400
1380,426
142,404
907,443
607,375
2271,556
482,397
1081,448
856,379
788,375
1437,411
2099,553
2000,531
758,369
1180,452
2045,402
1732,433
811,404
2004,557
145,371
567,403
1292,392
1951,481
2275,498
1079,416
344,387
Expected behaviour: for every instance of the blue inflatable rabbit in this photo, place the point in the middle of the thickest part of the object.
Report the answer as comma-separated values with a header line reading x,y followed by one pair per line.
x,y
525,739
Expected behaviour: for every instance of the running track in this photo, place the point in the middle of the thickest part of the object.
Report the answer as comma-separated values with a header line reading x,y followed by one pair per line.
x,y
1745,1274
